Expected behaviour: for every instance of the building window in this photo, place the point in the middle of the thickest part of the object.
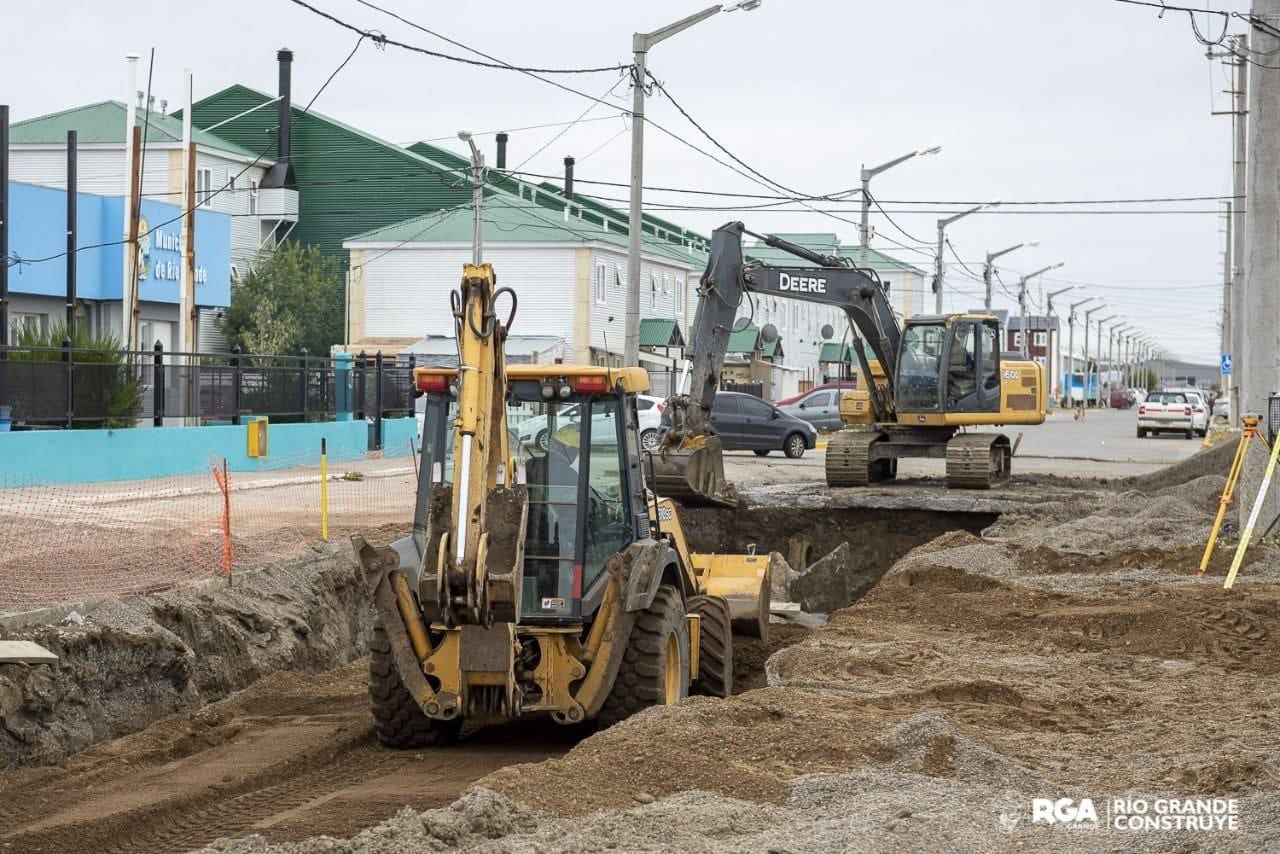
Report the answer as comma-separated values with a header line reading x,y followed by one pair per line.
x,y
598,284
1041,339
253,196
1017,340
204,186
619,278
34,324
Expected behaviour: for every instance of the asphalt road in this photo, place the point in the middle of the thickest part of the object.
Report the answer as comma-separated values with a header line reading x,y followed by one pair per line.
x,y
1103,444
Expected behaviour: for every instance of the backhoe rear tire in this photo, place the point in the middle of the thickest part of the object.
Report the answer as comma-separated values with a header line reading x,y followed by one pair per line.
x,y
397,720
715,648
655,666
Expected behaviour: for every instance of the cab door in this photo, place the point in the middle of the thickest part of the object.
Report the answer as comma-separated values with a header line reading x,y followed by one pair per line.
x,y
973,366
989,366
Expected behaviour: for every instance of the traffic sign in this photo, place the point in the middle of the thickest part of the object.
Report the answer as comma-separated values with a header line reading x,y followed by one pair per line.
x,y
1226,364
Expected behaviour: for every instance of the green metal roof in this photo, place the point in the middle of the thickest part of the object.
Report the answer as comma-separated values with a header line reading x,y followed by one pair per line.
x,y
105,121
507,220
660,332
771,349
835,351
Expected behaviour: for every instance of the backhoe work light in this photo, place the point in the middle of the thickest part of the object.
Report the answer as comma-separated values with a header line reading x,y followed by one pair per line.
x,y
432,382
591,383
548,390
566,391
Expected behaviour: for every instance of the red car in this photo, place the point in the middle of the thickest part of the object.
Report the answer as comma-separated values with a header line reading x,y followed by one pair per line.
x,y
841,384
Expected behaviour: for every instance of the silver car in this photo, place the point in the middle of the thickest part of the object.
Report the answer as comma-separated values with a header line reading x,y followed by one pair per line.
x,y
821,408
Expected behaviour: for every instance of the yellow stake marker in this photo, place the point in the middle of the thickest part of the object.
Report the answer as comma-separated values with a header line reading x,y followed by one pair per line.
x,y
1253,518
324,492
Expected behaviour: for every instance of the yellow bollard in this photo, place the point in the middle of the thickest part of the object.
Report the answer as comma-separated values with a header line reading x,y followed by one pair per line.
x,y
324,491
1253,518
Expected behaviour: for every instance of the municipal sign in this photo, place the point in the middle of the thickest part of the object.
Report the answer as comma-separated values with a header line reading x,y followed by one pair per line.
x,y
1226,364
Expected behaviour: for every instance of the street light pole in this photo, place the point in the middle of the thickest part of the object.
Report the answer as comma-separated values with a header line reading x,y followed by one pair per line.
x,y
1087,323
939,267
1022,300
641,43
864,229
1098,359
988,269
477,197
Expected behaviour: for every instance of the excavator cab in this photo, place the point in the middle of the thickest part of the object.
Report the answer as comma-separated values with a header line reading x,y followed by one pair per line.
x,y
949,364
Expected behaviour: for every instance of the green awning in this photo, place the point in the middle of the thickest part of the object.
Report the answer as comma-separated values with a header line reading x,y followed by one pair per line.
x,y
746,341
771,349
660,332
835,351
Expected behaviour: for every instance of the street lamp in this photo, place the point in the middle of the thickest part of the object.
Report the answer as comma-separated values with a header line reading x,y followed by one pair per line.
x,y
641,43
989,269
864,230
477,194
1071,340
938,268
1022,299
1097,361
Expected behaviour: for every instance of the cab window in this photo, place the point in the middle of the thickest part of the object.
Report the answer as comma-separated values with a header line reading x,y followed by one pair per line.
x,y
990,367
918,368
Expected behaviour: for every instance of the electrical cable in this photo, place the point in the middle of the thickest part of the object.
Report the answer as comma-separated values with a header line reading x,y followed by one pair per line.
x,y
567,127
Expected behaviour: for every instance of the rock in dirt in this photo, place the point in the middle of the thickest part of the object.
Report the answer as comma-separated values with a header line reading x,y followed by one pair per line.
x,y
781,575
834,582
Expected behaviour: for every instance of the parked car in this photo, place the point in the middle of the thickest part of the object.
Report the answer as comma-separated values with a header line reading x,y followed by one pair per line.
x,y
1222,407
1172,412
820,407
839,384
532,432
1121,398
744,422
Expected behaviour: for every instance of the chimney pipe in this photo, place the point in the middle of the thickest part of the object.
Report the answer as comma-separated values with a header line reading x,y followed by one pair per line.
x,y
281,174
502,150
568,178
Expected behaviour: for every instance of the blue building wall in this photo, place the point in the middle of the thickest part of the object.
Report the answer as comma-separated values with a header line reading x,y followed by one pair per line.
x,y
38,230
91,456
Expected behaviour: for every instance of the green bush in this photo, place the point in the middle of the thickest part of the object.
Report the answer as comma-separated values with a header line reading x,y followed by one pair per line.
x,y
106,392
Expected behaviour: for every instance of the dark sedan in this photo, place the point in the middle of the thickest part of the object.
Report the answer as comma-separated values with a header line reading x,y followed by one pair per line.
x,y
746,423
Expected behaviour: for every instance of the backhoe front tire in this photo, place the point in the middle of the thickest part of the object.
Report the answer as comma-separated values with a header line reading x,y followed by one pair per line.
x,y
715,648
397,720
655,666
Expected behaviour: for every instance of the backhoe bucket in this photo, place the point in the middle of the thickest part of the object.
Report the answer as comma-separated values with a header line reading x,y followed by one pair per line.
x,y
694,472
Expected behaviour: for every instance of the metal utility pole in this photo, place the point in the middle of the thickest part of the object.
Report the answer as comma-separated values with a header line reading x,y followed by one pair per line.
x,y
939,266
1233,307
4,225
72,197
1071,346
477,198
1098,359
1050,359
1087,322
989,268
1226,301
864,227
641,44
1022,300
1260,338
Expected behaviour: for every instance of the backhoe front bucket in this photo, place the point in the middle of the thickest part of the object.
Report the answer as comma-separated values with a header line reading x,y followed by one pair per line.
x,y
694,472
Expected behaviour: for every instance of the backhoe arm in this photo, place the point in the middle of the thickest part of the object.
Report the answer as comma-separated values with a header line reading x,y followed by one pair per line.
x,y
692,463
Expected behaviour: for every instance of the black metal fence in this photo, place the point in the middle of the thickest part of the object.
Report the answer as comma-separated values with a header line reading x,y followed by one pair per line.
x,y
65,387
756,389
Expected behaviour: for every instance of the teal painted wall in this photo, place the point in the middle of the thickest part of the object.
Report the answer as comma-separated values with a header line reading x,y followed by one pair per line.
x,y
91,456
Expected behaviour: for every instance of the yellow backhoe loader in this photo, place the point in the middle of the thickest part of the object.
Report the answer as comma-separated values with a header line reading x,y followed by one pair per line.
x,y
929,381
541,580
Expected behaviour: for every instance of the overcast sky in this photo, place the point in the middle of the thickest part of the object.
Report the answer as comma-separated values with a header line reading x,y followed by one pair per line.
x,y
1030,99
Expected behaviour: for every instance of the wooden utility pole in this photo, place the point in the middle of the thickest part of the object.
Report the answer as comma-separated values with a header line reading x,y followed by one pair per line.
x,y
128,307
187,296
72,197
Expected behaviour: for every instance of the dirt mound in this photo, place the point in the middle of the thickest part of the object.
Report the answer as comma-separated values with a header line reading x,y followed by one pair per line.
x,y
133,661
1215,460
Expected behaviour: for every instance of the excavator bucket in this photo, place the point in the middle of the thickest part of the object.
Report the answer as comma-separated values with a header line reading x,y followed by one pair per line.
x,y
694,472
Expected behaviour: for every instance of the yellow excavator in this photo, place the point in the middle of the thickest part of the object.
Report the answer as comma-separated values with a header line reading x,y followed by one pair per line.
x,y
541,581
930,379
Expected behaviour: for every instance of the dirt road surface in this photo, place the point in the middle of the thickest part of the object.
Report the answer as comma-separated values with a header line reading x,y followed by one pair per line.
x,y
290,757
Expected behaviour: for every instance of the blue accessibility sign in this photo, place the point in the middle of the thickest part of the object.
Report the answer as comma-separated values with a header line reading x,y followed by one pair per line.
x,y
1226,364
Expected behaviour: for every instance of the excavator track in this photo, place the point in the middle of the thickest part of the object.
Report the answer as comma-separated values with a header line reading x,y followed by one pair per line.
x,y
849,459
977,460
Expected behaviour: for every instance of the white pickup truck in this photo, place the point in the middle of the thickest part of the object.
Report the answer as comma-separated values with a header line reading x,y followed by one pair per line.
x,y
1169,412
